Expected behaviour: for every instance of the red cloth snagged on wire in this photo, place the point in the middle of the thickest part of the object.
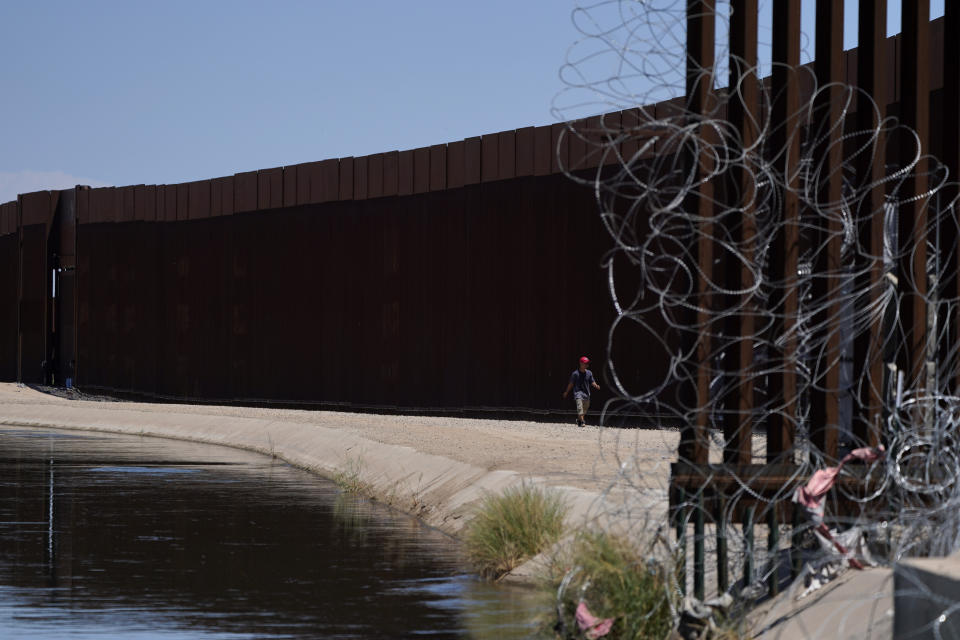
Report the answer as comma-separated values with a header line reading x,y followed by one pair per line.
x,y
591,625
811,495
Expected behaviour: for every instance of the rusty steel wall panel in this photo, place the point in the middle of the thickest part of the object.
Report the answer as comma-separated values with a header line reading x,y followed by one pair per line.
x,y
743,115
523,156
405,173
238,307
868,347
7,221
317,181
420,331
506,155
913,216
33,303
161,204
454,331
542,150
335,315
145,203
360,177
169,352
117,204
227,196
935,34
364,303
83,206
472,160
386,332
345,187
122,343
127,202
8,218
489,157
438,167
66,228
147,310
36,208
629,122
523,326
328,187
183,201
375,176
701,27
270,188
455,159
421,170
577,152
492,251
199,200
290,186
608,122
169,202
592,139
9,278
36,215
245,196
785,85
674,110
101,205
208,301
391,176
559,148
306,174
87,337
108,311
221,196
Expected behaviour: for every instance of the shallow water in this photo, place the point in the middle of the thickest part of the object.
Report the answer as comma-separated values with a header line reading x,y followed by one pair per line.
x,y
105,536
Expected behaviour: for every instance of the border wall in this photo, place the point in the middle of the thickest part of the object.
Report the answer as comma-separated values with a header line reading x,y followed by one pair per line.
x,y
457,277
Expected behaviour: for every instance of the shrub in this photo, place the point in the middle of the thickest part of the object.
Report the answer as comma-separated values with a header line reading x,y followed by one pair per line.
x,y
616,581
514,526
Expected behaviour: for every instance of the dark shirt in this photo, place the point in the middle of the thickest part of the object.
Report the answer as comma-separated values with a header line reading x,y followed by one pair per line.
x,y
581,383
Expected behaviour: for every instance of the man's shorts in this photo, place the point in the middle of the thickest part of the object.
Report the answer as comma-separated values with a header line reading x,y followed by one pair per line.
x,y
583,405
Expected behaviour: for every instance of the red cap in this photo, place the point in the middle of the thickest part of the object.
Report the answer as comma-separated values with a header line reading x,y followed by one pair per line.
x,y
585,360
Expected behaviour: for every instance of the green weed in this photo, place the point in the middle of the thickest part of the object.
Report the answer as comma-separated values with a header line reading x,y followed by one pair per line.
x,y
514,526
615,581
348,478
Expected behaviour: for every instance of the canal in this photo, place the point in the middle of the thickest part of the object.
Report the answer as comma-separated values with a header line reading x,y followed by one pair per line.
x,y
107,536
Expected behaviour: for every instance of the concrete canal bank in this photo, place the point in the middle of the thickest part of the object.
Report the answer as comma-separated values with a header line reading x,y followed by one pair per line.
x,y
434,468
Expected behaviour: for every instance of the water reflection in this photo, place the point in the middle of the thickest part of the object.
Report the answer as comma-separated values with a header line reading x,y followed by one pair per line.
x,y
144,538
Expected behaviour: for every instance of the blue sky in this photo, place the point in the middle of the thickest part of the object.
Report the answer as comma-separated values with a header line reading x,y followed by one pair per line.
x,y
127,92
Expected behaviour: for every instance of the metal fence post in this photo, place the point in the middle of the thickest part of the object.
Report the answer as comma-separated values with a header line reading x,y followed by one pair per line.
x,y
723,581
773,541
681,524
698,550
748,546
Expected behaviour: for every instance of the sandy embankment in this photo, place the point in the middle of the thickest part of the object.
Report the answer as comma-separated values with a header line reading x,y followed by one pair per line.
x,y
435,468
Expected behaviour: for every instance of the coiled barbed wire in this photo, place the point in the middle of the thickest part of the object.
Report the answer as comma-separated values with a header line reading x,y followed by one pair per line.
x,y
648,179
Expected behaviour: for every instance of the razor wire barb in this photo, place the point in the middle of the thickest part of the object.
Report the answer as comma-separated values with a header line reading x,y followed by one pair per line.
x,y
647,177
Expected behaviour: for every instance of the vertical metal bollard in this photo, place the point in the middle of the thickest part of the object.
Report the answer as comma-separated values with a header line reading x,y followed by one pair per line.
x,y
773,541
681,524
795,534
723,580
699,572
748,546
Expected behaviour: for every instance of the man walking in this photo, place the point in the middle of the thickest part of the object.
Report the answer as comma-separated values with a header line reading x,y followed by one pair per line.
x,y
581,382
